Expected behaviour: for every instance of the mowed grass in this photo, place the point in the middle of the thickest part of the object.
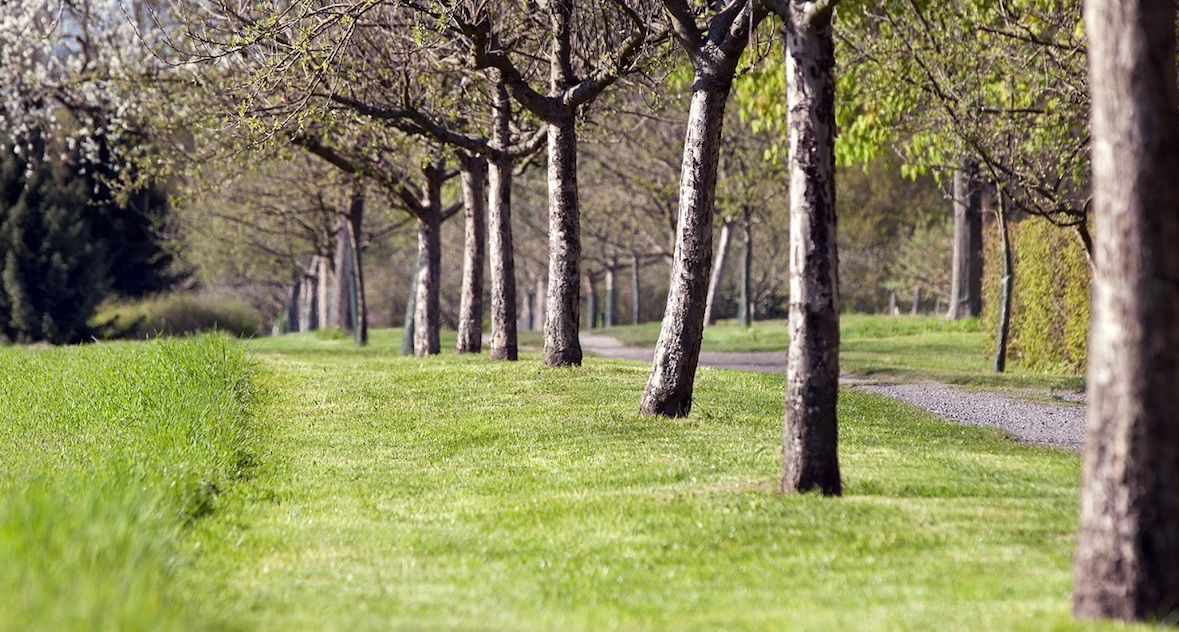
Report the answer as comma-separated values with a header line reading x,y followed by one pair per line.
x,y
108,454
888,348
456,493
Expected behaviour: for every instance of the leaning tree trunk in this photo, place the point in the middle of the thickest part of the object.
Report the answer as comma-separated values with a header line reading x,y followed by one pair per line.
x,y
470,327
966,271
718,267
503,266
673,371
358,307
561,320
1127,560
809,438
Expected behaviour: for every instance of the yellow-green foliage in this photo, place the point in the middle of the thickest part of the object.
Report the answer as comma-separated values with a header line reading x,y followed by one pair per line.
x,y
1050,304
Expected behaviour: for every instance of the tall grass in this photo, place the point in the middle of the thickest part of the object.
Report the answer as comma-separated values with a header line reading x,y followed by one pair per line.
x,y
107,453
176,315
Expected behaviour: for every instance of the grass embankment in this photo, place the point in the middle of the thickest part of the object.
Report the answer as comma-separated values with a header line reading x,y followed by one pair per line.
x,y
107,454
908,348
456,493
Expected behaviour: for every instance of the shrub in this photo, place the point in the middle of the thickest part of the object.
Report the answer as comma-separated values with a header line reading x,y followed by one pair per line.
x,y
1050,303
177,315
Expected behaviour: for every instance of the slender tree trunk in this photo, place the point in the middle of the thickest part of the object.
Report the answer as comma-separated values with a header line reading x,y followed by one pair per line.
x,y
809,450
539,296
916,308
561,344
1127,560
608,314
745,317
591,302
635,307
718,267
470,328
673,371
341,316
1006,288
291,313
503,266
323,298
407,323
966,271
358,307
427,320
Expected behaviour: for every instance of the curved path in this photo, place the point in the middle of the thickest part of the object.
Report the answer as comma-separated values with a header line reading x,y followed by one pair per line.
x,y
1057,424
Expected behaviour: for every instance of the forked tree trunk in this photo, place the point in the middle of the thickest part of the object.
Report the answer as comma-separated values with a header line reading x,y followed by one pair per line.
x,y
809,438
470,326
1127,560
503,266
611,306
673,371
562,320
967,267
718,268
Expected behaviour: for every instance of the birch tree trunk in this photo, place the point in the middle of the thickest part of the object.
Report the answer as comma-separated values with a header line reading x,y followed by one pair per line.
x,y
966,270
562,319
809,437
718,267
1127,560
673,371
470,326
504,345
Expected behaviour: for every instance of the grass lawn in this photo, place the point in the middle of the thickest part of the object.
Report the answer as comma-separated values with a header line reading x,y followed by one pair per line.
x,y
454,493
891,348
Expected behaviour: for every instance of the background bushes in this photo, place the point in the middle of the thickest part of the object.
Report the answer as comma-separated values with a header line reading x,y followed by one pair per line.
x,y
177,315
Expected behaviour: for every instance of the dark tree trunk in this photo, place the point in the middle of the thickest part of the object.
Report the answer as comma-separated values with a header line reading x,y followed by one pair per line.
x,y
470,327
503,266
561,344
809,446
358,307
407,333
1006,287
1127,560
673,371
635,311
341,316
608,312
591,302
966,271
718,267
745,307
291,313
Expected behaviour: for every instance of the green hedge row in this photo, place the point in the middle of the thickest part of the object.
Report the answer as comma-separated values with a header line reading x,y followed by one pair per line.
x,y
1050,305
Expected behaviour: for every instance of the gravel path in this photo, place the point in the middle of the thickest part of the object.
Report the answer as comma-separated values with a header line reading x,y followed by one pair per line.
x,y
1031,422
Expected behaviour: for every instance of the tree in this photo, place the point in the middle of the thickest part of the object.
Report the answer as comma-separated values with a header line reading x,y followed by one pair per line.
x,y
1127,561
714,51
809,436
967,268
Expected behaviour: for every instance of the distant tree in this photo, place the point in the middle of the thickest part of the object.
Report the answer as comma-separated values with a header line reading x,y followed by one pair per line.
x,y
1127,560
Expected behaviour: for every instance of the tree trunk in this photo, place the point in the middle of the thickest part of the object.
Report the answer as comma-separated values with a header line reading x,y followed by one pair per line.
x,y
427,321
809,446
291,313
718,267
966,271
673,371
358,306
916,308
1006,288
745,307
561,321
470,326
323,299
635,311
407,333
608,313
1127,560
539,296
503,266
591,302
341,317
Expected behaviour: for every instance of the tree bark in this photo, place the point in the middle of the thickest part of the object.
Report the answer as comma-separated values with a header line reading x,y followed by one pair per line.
x,y
1006,287
341,316
358,307
562,347
470,326
916,307
504,345
591,302
323,300
718,267
611,306
1127,560
635,308
427,321
966,270
809,445
407,323
745,315
673,371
